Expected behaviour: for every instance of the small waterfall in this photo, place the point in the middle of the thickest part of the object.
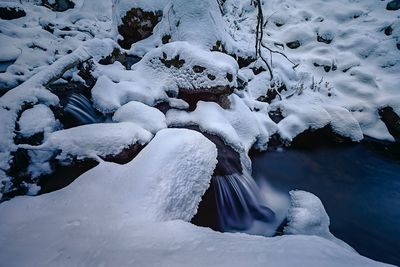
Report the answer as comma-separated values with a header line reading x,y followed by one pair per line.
x,y
80,108
234,201
240,203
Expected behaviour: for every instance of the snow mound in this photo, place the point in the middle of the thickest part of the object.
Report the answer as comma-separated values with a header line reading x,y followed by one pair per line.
x,y
30,125
310,112
145,116
94,140
237,126
164,72
307,216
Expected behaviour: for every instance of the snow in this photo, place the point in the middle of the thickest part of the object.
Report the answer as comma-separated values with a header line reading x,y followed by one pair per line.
x,y
106,211
116,87
237,126
307,216
347,68
30,125
147,117
94,140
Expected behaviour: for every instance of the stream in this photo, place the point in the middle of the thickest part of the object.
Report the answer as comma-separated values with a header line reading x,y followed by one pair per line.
x,y
358,184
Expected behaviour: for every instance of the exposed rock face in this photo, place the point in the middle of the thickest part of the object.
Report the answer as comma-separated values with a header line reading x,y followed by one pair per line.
x,y
392,121
217,94
59,5
272,93
137,25
9,13
393,5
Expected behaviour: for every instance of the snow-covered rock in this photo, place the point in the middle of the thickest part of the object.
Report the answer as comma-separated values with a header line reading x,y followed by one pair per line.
x,y
164,72
93,140
307,216
40,118
145,116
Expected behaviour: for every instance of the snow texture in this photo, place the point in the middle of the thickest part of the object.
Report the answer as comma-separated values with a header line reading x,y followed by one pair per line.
x,y
94,140
147,117
135,214
307,216
116,87
37,119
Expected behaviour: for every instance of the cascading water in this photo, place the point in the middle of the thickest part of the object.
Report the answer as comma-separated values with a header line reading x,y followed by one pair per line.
x,y
235,202
80,109
240,202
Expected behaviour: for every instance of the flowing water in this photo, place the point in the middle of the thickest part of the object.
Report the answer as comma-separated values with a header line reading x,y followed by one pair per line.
x,y
80,108
234,202
359,186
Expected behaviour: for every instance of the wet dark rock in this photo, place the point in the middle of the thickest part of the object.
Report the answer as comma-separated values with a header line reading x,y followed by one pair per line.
x,y
244,62
127,60
276,115
198,69
126,155
9,13
241,84
137,25
211,77
258,70
59,5
219,47
388,30
85,72
323,40
229,77
314,138
163,107
35,139
294,44
393,5
63,175
327,68
391,120
272,93
398,46
166,39
217,94
175,62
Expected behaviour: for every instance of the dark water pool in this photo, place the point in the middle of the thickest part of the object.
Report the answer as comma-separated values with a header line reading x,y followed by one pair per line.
x,y
359,186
